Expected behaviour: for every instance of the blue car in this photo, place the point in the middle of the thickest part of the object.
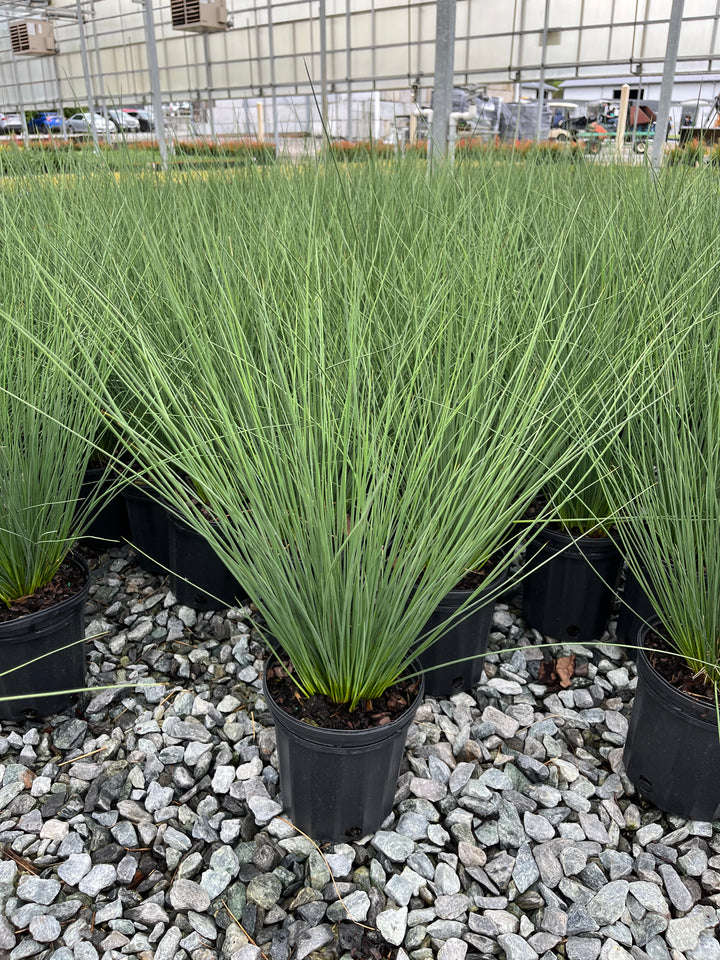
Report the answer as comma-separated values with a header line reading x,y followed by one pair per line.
x,y
46,123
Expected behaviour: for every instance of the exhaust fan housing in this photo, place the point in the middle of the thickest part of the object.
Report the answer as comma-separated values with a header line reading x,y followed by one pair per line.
x,y
202,16
33,38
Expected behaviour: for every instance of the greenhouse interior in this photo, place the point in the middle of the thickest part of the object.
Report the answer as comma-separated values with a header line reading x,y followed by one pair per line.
x,y
360,480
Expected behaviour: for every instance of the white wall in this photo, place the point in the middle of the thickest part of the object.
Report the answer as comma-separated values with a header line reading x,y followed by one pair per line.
x,y
372,116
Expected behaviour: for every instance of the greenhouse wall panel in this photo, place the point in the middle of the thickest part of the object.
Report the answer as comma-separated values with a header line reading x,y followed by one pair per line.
x,y
391,46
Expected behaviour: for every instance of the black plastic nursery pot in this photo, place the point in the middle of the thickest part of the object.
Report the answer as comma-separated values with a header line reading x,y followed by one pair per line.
x,y
199,578
149,529
110,524
468,637
634,612
42,634
672,751
569,593
338,785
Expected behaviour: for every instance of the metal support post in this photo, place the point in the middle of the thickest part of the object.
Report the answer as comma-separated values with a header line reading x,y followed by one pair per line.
x,y
208,83
541,86
58,89
158,117
671,52
101,79
444,73
273,93
323,66
633,138
452,140
86,72
348,70
21,102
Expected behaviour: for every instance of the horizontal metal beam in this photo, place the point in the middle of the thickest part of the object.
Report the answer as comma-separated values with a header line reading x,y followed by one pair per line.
x,y
17,9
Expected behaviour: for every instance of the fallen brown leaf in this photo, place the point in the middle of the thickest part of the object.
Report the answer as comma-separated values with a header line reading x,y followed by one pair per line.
x,y
565,669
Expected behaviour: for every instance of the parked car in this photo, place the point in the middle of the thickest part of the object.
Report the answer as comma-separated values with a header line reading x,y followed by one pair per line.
x,y
80,123
10,123
144,116
121,120
46,122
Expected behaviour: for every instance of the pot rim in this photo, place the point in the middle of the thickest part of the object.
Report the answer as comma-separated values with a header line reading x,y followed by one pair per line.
x,y
698,712
573,546
351,738
31,620
490,582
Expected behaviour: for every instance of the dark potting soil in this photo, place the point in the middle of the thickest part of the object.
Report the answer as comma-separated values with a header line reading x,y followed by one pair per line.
x,y
675,670
321,711
473,578
68,581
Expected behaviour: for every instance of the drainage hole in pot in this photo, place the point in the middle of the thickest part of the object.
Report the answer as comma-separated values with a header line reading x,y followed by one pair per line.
x,y
457,683
28,715
572,630
644,783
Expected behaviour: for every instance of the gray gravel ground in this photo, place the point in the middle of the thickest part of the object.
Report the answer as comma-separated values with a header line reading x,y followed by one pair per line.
x,y
147,822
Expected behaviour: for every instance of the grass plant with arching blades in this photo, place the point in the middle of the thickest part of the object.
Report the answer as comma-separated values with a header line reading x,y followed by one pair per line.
x,y
46,437
361,372
665,488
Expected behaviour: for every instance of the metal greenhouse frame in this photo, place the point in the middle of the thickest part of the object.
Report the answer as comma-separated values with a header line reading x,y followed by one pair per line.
x,y
327,49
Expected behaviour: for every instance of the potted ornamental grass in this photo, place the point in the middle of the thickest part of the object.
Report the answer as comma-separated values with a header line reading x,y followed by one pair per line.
x,y
574,564
365,416
666,491
110,524
454,662
46,439
335,505
198,577
625,275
